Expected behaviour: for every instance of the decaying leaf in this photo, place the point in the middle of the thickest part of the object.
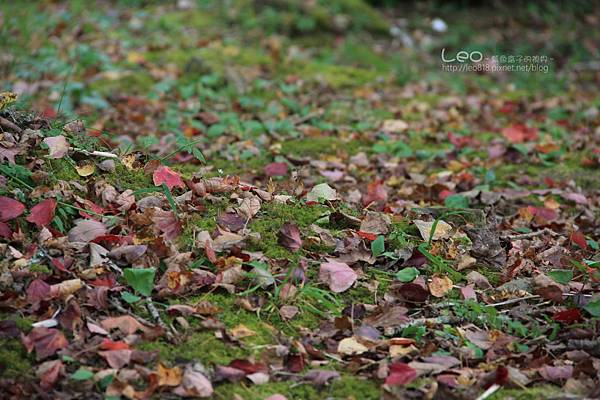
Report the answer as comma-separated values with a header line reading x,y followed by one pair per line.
x,y
442,229
339,276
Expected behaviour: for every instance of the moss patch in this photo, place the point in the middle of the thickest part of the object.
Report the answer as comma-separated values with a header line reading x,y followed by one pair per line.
x,y
336,76
346,388
124,178
137,82
534,393
14,360
271,218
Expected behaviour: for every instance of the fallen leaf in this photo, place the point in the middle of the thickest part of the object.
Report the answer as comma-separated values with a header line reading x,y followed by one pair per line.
x,y
49,372
350,346
194,383
339,276
45,341
321,191
413,292
126,324
58,146
289,237
468,293
440,285
400,374
241,331
519,133
376,223
86,230
276,169
167,176
167,223
85,169
579,239
231,221
10,208
321,377
556,374
42,213
169,376
394,126
442,229
117,359
568,316
65,288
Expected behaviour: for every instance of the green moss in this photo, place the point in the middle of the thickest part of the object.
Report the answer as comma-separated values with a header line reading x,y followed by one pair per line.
x,y
493,275
40,268
124,178
14,360
346,388
205,221
321,145
336,76
213,59
133,83
534,393
566,169
251,165
200,346
62,169
271,218
195,346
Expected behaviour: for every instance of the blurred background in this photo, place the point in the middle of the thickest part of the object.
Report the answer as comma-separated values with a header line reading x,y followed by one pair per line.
x,y
139,72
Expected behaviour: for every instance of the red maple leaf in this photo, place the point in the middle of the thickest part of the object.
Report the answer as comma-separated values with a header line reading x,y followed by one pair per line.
x,y
167,176
42,213
519,133
568,316
400,374
46,342
10,208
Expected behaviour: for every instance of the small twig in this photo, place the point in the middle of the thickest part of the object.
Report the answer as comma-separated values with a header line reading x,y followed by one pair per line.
x,y
491,390
6,124
115,303
308,117
511,301
156,315
531,234
95,153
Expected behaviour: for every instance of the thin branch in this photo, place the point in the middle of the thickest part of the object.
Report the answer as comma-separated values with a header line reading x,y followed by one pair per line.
x,y
95,153
6,124
156,315
531,234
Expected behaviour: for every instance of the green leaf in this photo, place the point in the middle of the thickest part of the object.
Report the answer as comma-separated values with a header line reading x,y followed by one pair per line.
x,y
140,279
378,246
130,297
563,276
593,308
82,374
170,198
456,201
407,274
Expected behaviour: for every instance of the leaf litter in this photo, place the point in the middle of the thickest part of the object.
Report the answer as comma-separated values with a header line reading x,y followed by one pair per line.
x,y
403,252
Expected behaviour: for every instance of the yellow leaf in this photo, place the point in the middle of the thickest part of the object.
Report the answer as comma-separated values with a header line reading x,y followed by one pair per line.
x,y
169,376
135,58
86,169
128,161
242,331
440,285
351,346
7,98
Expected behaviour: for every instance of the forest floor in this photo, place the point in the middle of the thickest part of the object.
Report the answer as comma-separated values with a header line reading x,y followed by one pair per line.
x,y
295,200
